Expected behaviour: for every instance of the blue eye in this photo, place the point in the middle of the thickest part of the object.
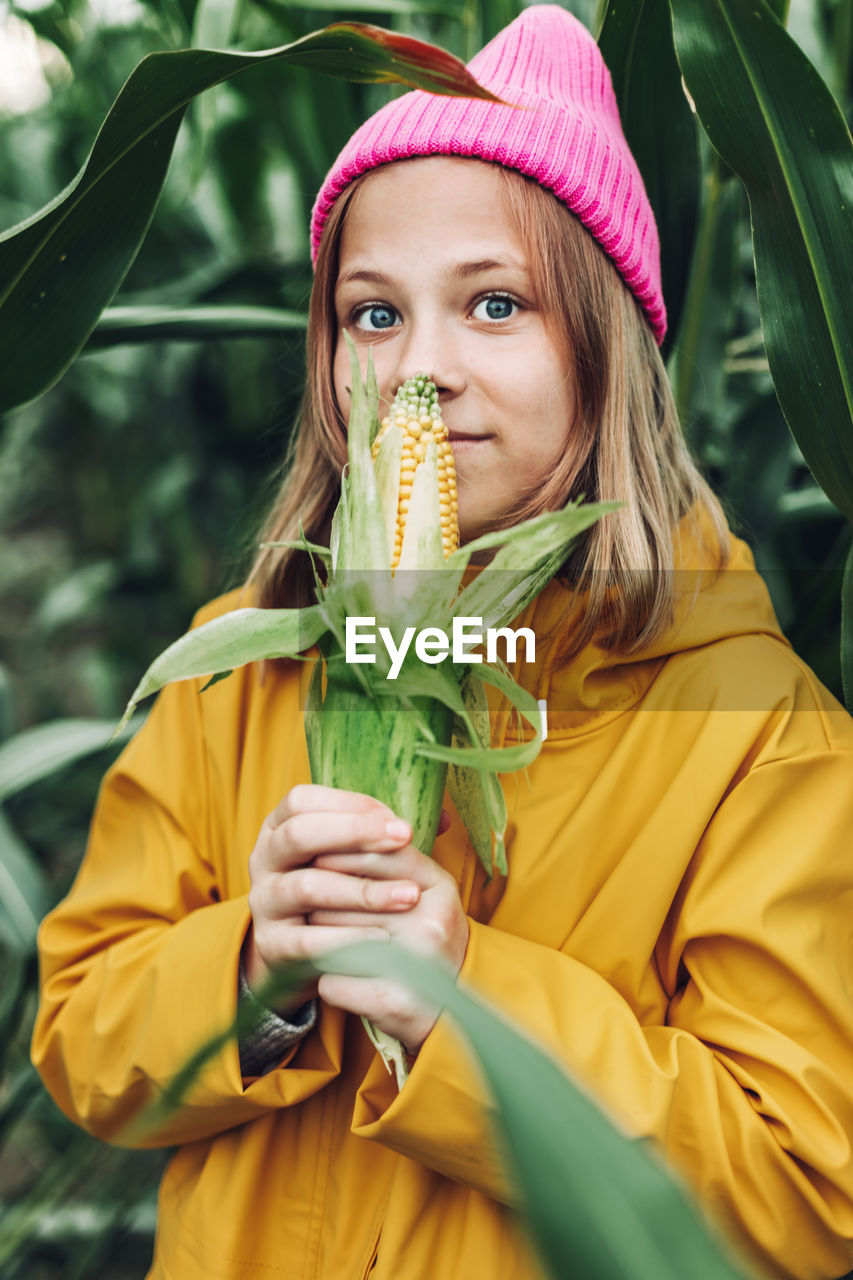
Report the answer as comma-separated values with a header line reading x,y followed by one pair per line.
x,y
497,306
376,317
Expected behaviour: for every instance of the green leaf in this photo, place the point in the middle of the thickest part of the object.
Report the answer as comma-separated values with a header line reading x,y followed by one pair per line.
x,y
214,23
477,793
20,1090
775,123
60,268
340,524
362,542
303,544
413,8
710,309
24,891
217,679
387,467
495,759
847,631
636,43
577,1175
214,26
120,325
529,556
35,754
232,640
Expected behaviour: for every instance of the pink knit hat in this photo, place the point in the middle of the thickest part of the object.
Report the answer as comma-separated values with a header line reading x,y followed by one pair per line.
x,y
571,140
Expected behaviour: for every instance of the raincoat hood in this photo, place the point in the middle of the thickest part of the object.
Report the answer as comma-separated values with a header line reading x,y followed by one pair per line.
x,y
712,604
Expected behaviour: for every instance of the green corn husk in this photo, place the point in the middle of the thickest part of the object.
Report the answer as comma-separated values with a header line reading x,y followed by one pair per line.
x,y
341,721
399,740
366,744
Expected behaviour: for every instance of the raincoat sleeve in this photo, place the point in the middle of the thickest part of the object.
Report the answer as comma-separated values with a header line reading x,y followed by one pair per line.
x,y
140,963
746,1086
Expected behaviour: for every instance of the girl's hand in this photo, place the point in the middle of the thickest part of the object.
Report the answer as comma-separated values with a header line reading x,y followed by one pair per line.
x,y
289,886
435,925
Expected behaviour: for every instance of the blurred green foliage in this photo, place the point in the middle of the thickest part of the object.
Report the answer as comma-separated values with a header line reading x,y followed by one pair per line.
x,y
130,493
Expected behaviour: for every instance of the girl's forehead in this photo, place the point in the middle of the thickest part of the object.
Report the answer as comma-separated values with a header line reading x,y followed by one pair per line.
x,y
442,204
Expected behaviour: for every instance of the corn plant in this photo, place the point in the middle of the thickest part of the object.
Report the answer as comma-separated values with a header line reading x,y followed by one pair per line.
x,y
38,1222
392,730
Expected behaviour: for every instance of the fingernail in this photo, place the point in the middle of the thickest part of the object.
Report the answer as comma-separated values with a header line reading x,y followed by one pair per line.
x,y
405,893
397,829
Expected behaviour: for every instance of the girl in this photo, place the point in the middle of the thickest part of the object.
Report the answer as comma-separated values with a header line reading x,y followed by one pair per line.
x,y
675,925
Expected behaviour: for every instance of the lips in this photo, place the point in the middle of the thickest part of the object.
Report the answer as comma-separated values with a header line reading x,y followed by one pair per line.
x,y
465,438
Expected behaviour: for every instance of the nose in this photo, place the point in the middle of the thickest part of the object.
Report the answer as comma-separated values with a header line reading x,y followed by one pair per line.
x,y
426,346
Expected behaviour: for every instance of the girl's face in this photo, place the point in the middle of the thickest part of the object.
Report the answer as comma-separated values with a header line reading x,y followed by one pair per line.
x,y
434,277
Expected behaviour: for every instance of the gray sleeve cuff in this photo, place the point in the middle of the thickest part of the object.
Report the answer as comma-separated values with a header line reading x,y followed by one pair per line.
x,y
265,1042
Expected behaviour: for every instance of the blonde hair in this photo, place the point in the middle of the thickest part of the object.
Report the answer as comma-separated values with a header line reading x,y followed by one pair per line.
x,y
626,443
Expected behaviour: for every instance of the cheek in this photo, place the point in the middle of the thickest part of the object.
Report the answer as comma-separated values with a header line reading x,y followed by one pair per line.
x,y
556,409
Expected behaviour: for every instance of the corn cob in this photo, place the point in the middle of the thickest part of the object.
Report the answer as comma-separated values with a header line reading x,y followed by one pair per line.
x,y
416,414
365,733
369,744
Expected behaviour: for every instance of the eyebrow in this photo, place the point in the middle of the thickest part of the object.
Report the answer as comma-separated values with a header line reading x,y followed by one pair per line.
x,y
463,270
466,269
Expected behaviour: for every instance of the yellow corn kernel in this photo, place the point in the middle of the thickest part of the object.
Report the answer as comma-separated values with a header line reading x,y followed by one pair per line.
x,y
416,413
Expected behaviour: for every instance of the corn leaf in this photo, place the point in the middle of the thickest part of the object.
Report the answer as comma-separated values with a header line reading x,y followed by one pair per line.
x,y
362,544
214,26
443,685
477,793
496,759
387,467
340,522
37,753
417,681
371,389
576,1174
244,635
636,43
60,268
314,549
528,558
411,8
775,123
24,891
120,325
847,629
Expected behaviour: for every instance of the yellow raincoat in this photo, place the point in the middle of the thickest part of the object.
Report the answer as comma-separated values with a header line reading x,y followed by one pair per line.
x,y
677,926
